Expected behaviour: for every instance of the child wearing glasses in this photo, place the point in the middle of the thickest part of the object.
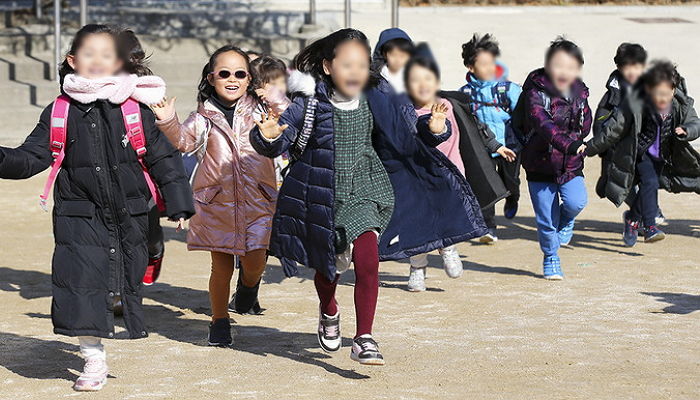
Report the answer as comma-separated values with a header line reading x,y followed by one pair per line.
x,y
234,187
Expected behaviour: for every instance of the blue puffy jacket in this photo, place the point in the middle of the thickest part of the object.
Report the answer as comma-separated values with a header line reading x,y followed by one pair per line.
x,y
434,205
489,106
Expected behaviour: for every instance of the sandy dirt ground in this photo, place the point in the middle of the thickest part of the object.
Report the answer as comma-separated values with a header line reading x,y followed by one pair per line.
x,y
623,325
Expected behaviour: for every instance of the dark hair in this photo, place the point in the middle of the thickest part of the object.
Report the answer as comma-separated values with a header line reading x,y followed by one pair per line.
x,y
265,69
135,58
565,45
128,47
629,54
421,61
476,45
91,29
253,53
401,44
310,60
205,89
662,71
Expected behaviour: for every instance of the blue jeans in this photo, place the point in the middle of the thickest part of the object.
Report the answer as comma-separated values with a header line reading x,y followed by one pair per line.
x,y
646,204
556,206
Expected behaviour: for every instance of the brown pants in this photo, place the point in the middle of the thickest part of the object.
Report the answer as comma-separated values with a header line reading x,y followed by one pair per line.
x,y
222,266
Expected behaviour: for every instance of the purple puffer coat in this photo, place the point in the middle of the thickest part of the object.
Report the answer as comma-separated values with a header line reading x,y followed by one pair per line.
x,y
559,126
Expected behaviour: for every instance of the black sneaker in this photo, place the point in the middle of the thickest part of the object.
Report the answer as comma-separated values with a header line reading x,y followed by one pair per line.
x,y
220,333
653,234
329,332
510,209
366,351
245,299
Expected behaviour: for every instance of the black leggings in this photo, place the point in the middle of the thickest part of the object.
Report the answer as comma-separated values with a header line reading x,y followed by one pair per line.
x,y
156,239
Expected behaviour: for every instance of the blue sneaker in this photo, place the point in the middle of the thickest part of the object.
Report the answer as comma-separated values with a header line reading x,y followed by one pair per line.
x,y
566,233
552,268
510,209
631,232
653,234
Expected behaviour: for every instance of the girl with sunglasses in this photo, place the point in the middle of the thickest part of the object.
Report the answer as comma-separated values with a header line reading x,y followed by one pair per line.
x,y
234,187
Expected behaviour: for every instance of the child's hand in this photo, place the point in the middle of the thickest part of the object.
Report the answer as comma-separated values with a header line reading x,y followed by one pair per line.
x,y
581,149
262,93
437,118
180,225
269,126
165,109
506,153
681,132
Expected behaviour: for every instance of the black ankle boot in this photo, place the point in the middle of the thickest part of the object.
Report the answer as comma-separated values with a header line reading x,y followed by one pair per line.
x,y
245,300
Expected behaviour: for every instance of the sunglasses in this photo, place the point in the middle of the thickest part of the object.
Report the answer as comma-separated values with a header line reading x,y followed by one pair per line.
x,y
225,74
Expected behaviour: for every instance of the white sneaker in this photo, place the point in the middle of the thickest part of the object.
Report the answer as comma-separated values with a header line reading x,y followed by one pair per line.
x,y
416,280
94,375
365,351
329,332
452,262
489,238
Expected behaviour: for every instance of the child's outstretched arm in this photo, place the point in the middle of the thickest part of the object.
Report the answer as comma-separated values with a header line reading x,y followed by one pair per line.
x,y
690,127
186,136
434,128
612,132
275,134
165,166
33,156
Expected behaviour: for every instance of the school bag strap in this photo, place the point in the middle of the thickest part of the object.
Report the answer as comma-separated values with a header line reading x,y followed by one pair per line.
x,y
499,96
131,112
58,129
134,135
302,139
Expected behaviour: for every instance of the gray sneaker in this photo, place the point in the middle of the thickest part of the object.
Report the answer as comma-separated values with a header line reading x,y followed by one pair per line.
x,y
452,262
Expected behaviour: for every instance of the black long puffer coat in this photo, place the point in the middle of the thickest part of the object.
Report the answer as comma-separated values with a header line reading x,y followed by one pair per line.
x,y
681,169
100,214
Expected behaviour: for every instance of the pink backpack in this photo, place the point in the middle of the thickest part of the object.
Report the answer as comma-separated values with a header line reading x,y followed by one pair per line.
x,y
59,132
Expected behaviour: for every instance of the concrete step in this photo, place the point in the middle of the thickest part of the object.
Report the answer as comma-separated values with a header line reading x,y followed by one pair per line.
x,y
17,94
24,68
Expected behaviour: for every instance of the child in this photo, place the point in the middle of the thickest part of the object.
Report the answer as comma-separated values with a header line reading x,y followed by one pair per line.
x,y
234,187
630,60
270,80
423,84
649,139
493,100
555,119
393,50
101,198
359,159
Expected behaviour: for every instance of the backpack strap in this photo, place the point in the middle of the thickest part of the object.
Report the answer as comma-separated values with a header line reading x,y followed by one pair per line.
x,y
58,132
135,135
500,96
308,127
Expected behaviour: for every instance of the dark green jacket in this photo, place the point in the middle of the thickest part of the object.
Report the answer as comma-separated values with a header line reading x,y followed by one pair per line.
x,y
681,169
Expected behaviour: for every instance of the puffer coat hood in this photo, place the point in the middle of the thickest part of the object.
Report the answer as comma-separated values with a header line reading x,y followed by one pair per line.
x,y
235,188
559,126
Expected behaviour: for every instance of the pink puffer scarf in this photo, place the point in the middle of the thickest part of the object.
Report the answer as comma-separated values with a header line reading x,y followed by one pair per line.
x,y
115,89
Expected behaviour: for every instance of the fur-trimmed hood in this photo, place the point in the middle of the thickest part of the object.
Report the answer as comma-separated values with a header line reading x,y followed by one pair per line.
x,y
301,82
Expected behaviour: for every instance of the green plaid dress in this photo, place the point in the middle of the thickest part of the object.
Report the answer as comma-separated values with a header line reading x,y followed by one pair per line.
x,y
364,197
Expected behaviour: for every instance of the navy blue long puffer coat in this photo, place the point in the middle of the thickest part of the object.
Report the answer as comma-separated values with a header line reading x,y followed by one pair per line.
x,y
434,205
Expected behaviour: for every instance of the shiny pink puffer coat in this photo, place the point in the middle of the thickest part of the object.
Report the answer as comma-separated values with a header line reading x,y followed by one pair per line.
x,y
234,187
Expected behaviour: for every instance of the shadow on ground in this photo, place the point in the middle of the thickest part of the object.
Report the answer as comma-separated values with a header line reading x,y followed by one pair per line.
x,y
680,303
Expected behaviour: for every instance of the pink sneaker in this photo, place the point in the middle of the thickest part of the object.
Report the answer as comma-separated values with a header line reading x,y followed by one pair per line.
x,y
94,375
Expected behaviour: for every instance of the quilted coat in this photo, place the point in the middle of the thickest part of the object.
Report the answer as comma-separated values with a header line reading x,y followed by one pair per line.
x,y
100,213
559,129
681,170
235,188
434,205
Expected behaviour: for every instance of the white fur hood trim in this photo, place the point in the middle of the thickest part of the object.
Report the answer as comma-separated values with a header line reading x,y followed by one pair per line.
x,y
300,82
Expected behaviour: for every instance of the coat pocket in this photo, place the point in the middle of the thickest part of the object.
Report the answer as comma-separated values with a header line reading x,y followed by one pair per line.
x,y
206,195
137,206
76,208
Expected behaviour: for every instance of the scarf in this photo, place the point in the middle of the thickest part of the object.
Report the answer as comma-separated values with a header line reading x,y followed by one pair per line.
x,y
115,89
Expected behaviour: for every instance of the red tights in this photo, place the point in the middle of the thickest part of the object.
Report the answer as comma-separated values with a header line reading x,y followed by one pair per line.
x,y
365,256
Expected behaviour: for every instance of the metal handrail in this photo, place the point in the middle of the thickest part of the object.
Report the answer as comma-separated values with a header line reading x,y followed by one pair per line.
x,y
57,54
